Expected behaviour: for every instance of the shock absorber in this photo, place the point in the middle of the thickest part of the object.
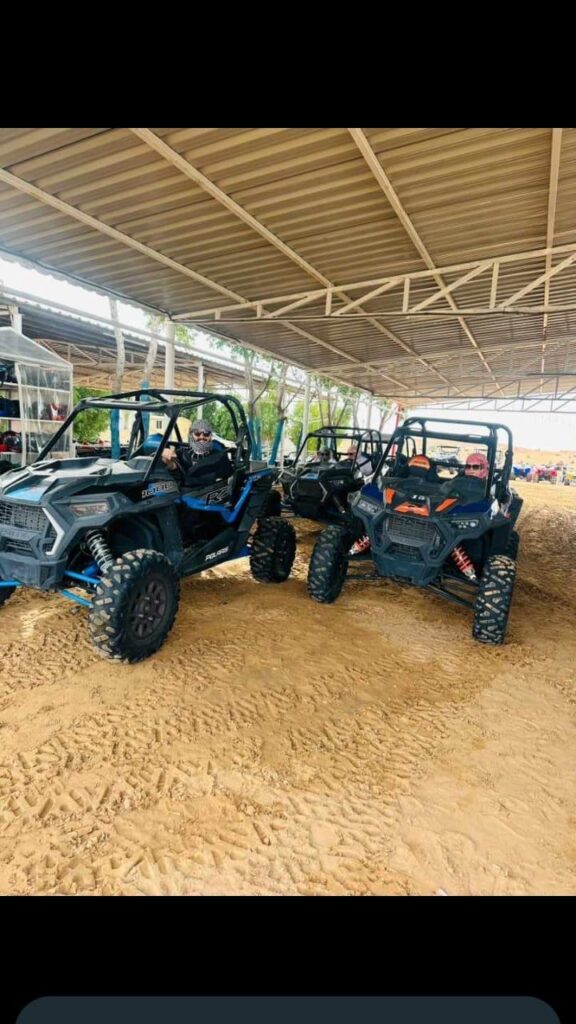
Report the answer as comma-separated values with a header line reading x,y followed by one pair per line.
x,y
464,564
99,550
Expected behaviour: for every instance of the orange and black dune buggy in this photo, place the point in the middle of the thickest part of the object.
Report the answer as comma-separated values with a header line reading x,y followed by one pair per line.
x,y
434,522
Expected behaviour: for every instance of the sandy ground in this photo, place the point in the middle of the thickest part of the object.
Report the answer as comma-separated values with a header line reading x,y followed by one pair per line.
x,y
546,457
276,746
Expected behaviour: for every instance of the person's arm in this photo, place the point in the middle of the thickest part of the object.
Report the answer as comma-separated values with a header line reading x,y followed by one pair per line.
x,y
170,459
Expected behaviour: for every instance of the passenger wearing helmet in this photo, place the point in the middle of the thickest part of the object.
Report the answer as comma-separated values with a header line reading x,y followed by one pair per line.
x,y
199,464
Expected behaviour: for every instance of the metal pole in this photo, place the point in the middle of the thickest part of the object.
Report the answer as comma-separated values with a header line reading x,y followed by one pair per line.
x,y
369,421
169,355
306,413
283,443
115,438
200,366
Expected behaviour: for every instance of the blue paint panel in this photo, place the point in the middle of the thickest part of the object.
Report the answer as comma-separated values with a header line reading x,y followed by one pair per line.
x,y
372,491
227,514
28,493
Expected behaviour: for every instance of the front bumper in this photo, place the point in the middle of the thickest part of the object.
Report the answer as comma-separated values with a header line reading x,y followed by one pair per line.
x,y
27,537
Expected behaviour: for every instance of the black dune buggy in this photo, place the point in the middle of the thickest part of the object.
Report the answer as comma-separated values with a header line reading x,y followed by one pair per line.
x,y
430,524
117,535
318,483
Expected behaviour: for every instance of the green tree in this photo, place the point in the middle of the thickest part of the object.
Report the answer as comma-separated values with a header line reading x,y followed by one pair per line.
x,y
92,422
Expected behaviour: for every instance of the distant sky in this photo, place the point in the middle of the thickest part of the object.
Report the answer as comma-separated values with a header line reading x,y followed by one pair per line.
x,y
530,430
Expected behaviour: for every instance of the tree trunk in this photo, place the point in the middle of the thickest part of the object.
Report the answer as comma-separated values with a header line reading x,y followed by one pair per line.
x,y
120,349
152,349
115,439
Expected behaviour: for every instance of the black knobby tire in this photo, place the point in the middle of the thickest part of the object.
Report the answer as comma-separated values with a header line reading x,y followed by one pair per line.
x,y
134,606
329,564
5,593
515,507
513,544
494,598
273,506
273,550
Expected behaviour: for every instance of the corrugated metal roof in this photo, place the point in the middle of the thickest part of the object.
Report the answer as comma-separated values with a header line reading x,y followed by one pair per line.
x,y
299,209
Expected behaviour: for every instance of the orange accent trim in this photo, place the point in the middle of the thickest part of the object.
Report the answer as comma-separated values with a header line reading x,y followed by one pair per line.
x,y
420,460
390,492
416,510
446,504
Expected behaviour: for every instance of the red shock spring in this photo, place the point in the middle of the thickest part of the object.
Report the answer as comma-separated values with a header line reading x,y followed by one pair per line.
x,y
463,562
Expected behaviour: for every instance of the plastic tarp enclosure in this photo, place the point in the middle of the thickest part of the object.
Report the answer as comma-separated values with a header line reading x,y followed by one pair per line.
x,y
44,389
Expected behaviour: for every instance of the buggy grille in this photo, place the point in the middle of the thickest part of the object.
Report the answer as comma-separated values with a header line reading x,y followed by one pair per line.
x,y
27,517
22,525
403,528
406,551
18,547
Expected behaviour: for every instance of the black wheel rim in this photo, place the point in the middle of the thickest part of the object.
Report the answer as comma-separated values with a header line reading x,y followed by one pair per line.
x,y
148,608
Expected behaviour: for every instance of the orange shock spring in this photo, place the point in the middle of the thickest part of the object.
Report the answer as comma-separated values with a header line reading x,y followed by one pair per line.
x,y
463,562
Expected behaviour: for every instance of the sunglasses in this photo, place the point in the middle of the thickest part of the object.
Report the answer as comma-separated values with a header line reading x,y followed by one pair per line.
x,y
475,465
201,433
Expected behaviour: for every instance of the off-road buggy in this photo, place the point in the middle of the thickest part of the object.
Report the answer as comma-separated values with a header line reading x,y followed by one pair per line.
x,y
319,482
430,524
117,535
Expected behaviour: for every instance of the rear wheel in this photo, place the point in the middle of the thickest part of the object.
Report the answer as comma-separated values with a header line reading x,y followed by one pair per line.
x,y
134,606
329,564
273,550
273,506
494,599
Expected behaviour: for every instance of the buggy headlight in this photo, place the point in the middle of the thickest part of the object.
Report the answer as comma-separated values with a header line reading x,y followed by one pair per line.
x,y
90,508
464,524
367,506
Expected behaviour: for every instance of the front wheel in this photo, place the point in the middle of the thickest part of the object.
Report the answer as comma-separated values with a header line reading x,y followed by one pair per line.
x,y
513,544
134,606
492,606
329,564
273,550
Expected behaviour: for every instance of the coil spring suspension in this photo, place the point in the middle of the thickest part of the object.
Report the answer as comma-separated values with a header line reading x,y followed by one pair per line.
x,y
99,550
463,562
